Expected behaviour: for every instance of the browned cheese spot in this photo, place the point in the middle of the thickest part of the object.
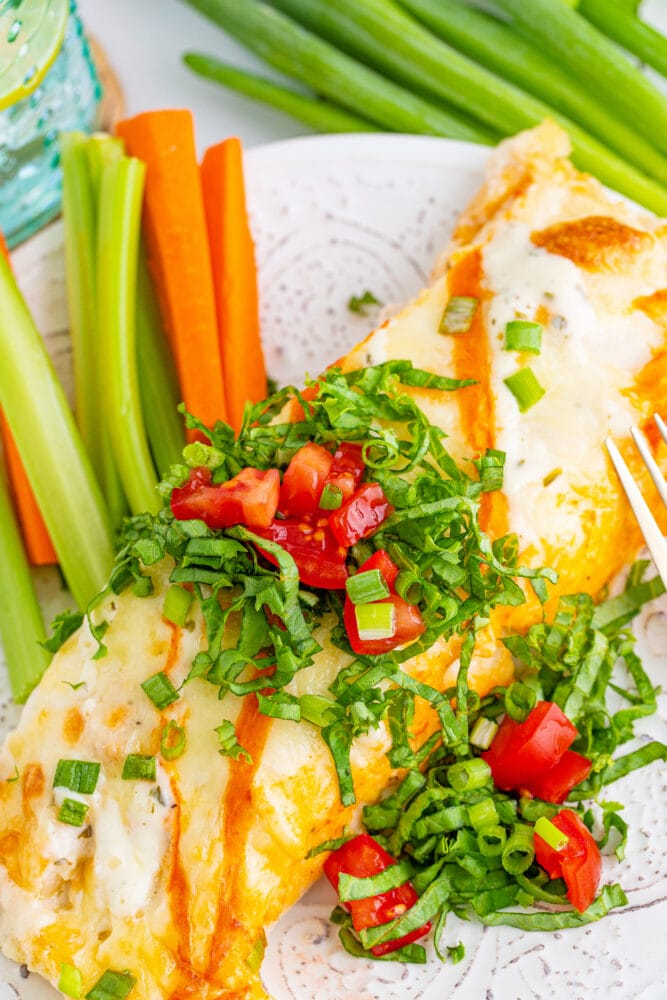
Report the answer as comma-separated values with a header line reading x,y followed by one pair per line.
x,y
595,243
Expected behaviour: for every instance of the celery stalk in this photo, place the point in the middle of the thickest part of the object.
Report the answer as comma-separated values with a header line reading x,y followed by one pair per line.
x,y
320,115
504,51
21,626
121,190
51,449
595,61
305,57
618,20
83,158
79,211
158,382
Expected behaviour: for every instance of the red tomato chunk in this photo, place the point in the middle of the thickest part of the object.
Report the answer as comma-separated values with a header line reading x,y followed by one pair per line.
x,y
522,751
319,558
556,784
304,480
361,515
578,863
250,498
347,469
363,856
409,624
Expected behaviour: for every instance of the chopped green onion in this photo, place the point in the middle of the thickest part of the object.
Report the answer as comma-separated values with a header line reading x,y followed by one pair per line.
x,y
77,775
160,690
491,841
483,733
172,742
483,814
357,303
550,834
112,986
139,767
375,621
256,956
468,775
176,605
525,388
520,335
519,850
444,821
458,315
72,812
408,587
71,981
366,587
332,497
520,700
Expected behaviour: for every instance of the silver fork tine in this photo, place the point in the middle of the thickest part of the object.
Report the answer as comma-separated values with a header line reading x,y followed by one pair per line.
x,y
653,537
661,425
651,464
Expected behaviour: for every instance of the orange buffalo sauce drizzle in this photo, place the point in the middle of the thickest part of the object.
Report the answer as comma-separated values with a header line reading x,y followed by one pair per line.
x,y
472,359
252,730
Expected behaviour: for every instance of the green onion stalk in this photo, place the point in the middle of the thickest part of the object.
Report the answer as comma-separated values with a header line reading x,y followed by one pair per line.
x,y
300,54
319,115
619,21
497,47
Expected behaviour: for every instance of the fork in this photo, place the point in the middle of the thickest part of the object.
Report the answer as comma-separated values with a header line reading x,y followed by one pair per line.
x,y
654,538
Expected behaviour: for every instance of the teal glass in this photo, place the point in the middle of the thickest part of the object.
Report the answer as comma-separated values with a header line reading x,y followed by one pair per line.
x,y
68,98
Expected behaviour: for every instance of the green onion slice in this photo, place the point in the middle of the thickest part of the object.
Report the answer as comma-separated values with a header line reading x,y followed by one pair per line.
x,y
468,775
112,986
375,621
77,775
520,335
550,834
491,841
483,814
172,742
458,315
483,733
72,812
519,850
177,603
139,767
525,388
331,498
366,587
408,587
71,981
160,690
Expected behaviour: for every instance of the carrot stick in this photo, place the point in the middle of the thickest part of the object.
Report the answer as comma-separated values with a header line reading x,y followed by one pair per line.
x,y
234,277
178,253
35,536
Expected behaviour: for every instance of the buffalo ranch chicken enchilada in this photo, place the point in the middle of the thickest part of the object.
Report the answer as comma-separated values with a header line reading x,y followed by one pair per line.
x,y
176,878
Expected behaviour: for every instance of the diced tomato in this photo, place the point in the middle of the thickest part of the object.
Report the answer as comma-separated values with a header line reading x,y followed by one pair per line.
x,y
304,480
556,784
319,558
250,498
347,469
361,515
409,626
409,622
522,751
363,856
578,863
381,560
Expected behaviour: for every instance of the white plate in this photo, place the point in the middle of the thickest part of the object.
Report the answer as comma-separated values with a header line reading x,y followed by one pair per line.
x,y
332,217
